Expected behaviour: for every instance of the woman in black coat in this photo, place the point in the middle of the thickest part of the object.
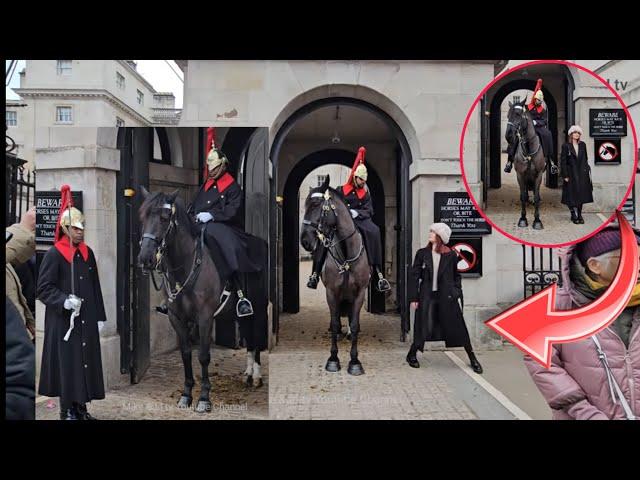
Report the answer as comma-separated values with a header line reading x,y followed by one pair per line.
x,y
435,291
576,174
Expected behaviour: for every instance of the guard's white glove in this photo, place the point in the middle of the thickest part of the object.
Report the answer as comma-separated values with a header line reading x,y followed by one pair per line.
x,y
204,217
535,123
354,213
72,303
100,326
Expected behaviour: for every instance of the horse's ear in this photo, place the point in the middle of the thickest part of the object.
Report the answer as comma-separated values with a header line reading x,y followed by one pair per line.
x,y
172,196
325,184
144,192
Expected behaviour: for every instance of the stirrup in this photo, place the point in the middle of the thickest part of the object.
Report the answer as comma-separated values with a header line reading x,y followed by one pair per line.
x,y
553,169
313,281
383,284
224,297
508,167
243,301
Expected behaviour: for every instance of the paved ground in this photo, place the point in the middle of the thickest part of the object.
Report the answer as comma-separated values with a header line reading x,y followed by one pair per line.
x,y
156,396
300,388
503,208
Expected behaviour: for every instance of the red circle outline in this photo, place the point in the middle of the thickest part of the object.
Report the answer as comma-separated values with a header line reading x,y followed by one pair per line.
x,y
614,157
473,250
464,131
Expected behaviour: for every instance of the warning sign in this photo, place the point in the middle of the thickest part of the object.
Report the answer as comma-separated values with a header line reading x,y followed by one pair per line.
x,y
469,251
607,151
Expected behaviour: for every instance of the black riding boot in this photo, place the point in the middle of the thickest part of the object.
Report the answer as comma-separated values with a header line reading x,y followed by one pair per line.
x,y
162,309
475,364
83,413
580,219
412,360
574,214
508,166
68,412
319,256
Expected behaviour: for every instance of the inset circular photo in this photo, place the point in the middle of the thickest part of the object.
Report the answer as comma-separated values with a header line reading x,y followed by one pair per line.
x,y
557,154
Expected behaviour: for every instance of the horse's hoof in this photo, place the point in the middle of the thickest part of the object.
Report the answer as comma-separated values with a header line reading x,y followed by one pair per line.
x,y
249,381
203,406
185,401
348,336
332,365
537,225
257,383
355,368
523,223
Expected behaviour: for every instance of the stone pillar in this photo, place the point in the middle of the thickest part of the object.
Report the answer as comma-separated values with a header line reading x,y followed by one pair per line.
x,y
87,159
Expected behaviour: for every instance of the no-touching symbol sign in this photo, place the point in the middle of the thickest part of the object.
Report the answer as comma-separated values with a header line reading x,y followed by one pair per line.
x,y
607,151
468,256
469,250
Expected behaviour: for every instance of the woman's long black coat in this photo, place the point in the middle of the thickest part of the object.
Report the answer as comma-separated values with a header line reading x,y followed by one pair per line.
x,y
448,322
71,370
578,190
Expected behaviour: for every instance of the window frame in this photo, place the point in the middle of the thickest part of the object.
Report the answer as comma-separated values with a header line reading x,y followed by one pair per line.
x,y
63,122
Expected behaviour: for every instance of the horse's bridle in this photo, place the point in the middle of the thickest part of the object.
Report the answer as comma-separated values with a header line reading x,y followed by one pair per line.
x,y
521,134
160,265
162,243
326,238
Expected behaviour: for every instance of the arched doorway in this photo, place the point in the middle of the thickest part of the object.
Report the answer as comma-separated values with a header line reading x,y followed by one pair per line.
x,y
291,221
287,175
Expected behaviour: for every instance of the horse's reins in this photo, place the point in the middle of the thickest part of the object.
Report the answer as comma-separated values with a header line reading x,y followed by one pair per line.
x,y
344,265
161,266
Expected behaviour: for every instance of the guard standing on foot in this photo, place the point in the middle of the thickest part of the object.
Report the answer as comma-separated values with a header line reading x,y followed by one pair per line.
x,y
69,286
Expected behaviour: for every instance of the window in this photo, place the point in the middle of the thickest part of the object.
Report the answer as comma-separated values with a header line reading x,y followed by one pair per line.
x,y
64,115
119,81
119,122
64,67
140,98
11,118
321,179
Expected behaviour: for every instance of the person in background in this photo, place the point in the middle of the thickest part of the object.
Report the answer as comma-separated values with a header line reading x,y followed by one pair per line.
x,y
597,378
19,250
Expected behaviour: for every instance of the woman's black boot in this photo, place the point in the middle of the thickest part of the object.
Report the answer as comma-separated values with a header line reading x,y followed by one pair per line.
x,y
411,357
580,219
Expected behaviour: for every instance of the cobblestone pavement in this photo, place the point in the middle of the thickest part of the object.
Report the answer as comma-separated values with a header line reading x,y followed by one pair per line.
x,y
503,208
300,388
155,397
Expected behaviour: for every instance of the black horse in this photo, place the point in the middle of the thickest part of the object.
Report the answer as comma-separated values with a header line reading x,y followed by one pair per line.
x,y
173,244
346,274
528,160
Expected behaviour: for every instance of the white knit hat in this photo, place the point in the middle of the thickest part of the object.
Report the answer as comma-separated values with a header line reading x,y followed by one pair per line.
x,y
442,230
575,128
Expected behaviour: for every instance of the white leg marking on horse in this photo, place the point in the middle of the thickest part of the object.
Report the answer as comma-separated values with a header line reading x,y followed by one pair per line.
x,y
250,363
256,371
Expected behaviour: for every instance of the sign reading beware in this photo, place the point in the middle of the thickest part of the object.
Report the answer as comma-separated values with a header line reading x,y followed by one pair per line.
x,y
607,122
457,210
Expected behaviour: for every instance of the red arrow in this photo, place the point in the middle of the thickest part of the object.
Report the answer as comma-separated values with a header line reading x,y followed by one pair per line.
x,y
533,325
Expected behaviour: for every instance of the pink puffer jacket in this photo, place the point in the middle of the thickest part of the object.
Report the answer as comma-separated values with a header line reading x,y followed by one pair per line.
x,y
576,386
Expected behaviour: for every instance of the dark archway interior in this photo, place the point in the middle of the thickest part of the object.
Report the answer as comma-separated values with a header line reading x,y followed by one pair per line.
x,y
494,177
291,221
403,226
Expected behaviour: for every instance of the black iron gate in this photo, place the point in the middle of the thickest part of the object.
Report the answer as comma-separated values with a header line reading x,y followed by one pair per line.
x,y
136,147
21,185
540,268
